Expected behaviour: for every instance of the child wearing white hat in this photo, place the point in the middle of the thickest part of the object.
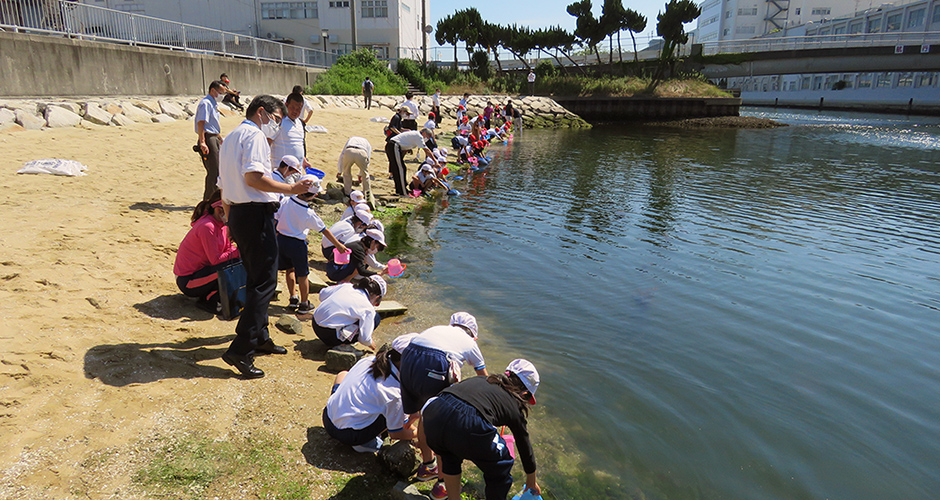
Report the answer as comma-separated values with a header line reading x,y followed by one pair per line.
x,y
346,313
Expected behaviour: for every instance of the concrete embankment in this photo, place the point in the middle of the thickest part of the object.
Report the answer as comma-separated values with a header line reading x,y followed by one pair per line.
x,y
34,114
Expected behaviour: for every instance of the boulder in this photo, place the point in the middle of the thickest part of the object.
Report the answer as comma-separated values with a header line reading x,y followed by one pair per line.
x,y
190,108
401,458
390,308
227,111
96,115
57,117
74,107
151,106
28,120
315,283
121,120
135,113
7,117
172,110
288,323
341,358
162,118
114,109
405,491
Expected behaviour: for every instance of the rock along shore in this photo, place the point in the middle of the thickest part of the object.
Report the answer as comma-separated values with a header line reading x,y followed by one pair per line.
x,y
37,113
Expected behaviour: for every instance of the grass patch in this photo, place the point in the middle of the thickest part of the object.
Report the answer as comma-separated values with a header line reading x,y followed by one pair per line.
x,y
190,466
626,86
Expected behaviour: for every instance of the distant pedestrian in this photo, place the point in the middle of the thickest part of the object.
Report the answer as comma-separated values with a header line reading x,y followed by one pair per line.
x,y
367,88
531,82
436,106
209,136
410,120
232,96
307,112
249,195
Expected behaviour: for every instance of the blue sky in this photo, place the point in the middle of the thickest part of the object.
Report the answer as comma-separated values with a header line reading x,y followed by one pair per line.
x,y
542,13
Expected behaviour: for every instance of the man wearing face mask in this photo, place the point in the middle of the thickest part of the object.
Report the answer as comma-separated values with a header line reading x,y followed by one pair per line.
x,y
249,195
209,135
288,138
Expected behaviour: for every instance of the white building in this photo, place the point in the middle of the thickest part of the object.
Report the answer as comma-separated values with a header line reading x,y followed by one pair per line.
x,y
392,28
743,19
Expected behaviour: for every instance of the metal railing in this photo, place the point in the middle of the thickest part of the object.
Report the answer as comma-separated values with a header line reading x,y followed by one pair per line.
x,y
822,42
89,22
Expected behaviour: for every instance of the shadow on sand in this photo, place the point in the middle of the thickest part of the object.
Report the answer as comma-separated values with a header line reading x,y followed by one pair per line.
x,y
132,363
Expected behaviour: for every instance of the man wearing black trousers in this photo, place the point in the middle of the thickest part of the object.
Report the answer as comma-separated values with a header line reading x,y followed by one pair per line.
x,y
250,199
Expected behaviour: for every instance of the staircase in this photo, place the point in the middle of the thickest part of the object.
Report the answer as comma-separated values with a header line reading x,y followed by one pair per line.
x,y
415,90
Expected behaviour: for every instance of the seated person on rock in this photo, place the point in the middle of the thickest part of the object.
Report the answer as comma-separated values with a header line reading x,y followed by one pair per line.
x,y
346,313
424,180
205,249
347,230
366,401
371,242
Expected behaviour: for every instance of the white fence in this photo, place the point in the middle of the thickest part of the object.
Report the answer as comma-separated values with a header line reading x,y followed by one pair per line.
x,y
88,22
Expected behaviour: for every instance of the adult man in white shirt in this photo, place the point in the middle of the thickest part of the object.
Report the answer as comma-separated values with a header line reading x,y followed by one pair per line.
x,y
249,196
410,120
209,135
531,79
357,151
289,139
367,87
395,148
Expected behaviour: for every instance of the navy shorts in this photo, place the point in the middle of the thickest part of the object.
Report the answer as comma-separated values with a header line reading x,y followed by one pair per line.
x,y
456,431
354,437
292,254
339,272
424,374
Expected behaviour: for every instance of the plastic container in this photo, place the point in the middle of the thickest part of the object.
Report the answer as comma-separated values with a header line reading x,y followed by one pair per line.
x,y
395,268
341,257
526,494
511,444
319,174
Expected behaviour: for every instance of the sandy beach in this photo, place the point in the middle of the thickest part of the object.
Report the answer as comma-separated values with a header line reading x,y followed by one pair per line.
x,y
103,359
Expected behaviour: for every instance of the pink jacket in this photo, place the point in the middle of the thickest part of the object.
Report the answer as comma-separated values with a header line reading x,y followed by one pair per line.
x,y
206,244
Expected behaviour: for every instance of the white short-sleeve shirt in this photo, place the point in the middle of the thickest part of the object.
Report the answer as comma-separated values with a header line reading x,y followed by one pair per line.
x,y
411,139
361,398
453,340
244,150
296,218
288,141
346,308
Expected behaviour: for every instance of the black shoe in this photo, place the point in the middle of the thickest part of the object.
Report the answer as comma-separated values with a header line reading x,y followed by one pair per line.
x,y
270,347
244,364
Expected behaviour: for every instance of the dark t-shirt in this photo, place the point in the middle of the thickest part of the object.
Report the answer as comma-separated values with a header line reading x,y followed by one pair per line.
x,y
497,407
358,258
394,122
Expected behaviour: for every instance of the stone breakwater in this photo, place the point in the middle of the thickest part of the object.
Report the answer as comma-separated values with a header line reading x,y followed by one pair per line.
x,y
36,114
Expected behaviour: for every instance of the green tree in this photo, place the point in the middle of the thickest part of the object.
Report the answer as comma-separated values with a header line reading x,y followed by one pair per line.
x,y
633,22
518,41
670,27
448,31
587,27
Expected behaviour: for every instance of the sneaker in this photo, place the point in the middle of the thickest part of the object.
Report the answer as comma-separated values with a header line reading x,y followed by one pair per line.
x,y
369,447
293,302
438,492
304,308
428,471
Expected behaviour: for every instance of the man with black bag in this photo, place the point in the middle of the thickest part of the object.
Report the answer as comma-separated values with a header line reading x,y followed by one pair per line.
x,y
250,201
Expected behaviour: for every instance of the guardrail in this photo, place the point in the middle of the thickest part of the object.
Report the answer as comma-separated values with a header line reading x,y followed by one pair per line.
x,y
822,42
89,22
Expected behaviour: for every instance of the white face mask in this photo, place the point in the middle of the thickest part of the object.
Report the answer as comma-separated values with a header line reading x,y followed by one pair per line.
x,y
271,128
292,178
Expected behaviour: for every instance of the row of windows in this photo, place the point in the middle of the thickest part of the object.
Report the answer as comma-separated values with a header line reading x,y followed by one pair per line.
x,y
289,10
710,20
752,11
907,79
374,8
891,23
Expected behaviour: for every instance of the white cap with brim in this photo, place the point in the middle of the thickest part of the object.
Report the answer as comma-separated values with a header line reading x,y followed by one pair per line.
x,y
526,372
357,196
363,212
292,162
467,320
427,167
376,235
315,187
384,287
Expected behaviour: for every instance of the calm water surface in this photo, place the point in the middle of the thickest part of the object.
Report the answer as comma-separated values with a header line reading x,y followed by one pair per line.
x,y
745,314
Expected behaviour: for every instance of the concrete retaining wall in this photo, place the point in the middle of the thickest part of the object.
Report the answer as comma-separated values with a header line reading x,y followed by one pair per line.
x,y
612,109
41,65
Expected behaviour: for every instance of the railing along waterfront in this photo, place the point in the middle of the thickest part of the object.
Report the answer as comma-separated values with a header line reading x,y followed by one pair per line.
x,y
89,22
772,44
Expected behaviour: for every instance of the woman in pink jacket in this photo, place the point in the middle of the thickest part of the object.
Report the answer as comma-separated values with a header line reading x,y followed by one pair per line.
x,y
205,249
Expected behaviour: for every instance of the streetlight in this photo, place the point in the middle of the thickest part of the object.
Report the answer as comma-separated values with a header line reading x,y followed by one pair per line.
x,y
324,34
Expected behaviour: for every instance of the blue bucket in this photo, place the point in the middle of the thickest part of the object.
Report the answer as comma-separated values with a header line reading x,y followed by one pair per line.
x,y
319,174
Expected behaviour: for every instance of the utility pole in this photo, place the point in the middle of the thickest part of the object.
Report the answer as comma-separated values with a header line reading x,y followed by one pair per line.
x,y
352,23
424,32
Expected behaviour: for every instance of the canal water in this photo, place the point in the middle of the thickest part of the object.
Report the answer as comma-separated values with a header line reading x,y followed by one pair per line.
x,y
735,314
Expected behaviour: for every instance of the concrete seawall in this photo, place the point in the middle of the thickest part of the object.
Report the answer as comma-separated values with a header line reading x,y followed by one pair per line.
x,y
43,66
614,109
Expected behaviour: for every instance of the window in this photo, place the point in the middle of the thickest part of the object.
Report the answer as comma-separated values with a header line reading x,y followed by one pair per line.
x,y
339,4
745,30
905,79
374,8
848,79
804,83
925,80
839,30
817,82
831,81
706,6
936,14
874,26
864,80
288,10
709,37
750,11
797,11
728,14
883,80
821,11
915,18
893,22
725,31
855,28
710,20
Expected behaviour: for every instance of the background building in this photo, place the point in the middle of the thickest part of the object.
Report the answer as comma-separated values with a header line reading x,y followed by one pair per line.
x,y
743,19
392,28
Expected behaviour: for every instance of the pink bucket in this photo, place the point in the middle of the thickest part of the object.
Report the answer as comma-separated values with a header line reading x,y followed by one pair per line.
x,y
341,257
395,268
511,444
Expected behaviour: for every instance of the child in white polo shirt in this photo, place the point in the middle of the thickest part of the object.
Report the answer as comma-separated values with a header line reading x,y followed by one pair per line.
x,y
295,219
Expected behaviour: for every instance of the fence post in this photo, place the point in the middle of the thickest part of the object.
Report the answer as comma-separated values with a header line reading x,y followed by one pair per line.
x,y
183,31
222,34
281,47
134,30
254,46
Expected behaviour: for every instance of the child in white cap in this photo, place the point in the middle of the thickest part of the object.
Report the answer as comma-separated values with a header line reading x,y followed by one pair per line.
x,y
295,219
371,242
461,424
356,198
424,180
288,171
346,313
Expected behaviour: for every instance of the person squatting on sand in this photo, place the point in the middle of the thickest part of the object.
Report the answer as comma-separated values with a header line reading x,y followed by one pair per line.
x,y
250,194
346,313
205,249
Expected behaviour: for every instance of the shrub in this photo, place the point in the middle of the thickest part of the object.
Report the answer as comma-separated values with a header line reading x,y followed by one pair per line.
x,y
480,64
545,68
346,76
419,77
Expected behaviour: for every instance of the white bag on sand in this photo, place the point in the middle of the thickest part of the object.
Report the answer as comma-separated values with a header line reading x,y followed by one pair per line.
x,y
56,167
378,119
320,129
